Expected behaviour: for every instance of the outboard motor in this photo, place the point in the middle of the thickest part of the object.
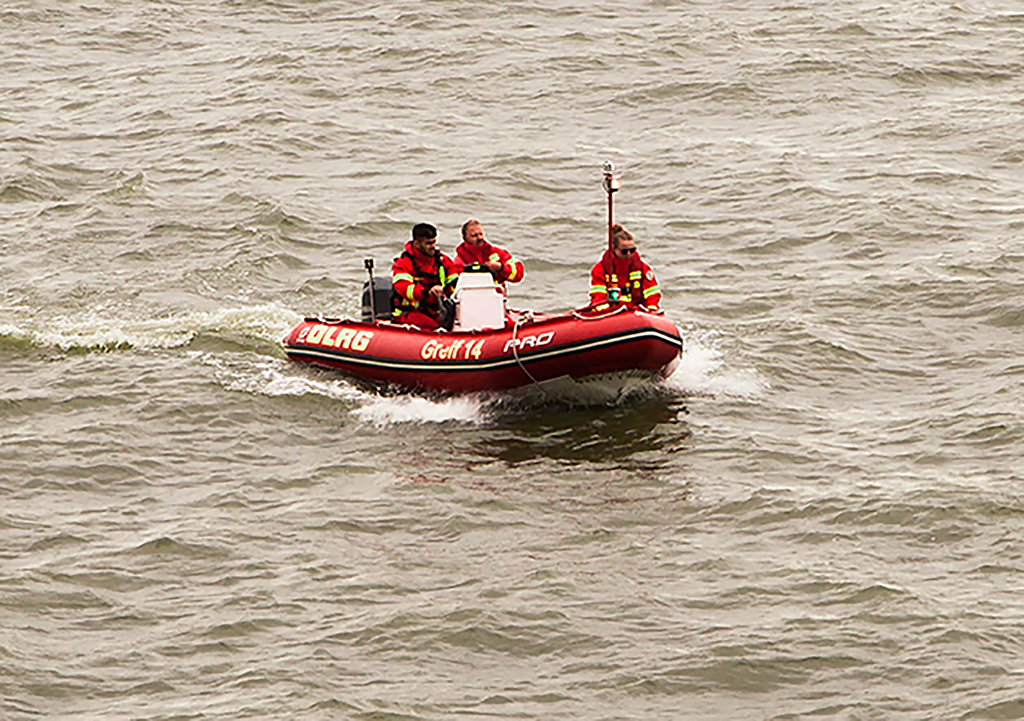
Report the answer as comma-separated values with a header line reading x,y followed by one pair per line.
x,y
378,305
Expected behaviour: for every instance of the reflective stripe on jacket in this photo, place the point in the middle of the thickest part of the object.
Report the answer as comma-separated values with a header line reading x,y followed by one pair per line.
x,y
632,277
414,274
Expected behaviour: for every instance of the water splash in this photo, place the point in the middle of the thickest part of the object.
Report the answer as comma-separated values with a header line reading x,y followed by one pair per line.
x,y
389,410
703,371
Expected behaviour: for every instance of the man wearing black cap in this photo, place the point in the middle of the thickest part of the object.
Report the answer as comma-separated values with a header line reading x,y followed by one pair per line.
x,y
421,276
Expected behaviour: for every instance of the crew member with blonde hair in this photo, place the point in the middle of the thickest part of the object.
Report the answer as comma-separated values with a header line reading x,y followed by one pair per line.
x,y
622,277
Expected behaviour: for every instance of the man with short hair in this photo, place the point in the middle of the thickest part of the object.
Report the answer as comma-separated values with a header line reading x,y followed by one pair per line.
x,y
621,276
421,276
475,250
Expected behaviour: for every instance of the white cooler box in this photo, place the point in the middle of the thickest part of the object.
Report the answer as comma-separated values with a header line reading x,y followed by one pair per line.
x,y
479,303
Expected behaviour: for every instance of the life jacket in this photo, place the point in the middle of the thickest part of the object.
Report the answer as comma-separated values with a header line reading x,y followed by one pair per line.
x,y
422,277
630,291
469,256
483,253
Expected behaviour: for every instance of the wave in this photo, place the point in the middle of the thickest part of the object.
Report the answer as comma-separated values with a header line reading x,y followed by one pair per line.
x,y
277,378
254,327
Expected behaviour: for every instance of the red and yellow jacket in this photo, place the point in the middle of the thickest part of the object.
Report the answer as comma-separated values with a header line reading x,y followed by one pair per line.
x,y
512,270
633,278
413,274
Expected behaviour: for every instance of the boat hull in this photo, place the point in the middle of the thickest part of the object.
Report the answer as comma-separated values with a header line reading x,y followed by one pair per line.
x,y
527,351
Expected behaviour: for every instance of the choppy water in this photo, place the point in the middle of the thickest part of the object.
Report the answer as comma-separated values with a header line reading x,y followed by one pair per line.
x,y
818,515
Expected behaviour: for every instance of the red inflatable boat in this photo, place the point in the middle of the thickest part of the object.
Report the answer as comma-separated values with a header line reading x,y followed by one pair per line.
x,y
603,353
614,348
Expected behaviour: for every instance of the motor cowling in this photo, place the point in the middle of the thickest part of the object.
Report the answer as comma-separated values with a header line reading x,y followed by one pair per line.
x,y
381,308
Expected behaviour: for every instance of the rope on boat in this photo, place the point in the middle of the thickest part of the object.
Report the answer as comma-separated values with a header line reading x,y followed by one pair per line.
x,y
527,317
620,309
579,316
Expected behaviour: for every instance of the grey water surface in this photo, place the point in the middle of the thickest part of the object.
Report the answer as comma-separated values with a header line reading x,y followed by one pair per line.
x,y
817,516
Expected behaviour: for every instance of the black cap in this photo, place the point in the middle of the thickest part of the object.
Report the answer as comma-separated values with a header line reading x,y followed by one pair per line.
x,y
423,230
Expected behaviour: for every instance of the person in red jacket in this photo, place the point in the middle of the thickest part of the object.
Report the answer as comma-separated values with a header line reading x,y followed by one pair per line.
x,y
475,250
421,276
621,276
